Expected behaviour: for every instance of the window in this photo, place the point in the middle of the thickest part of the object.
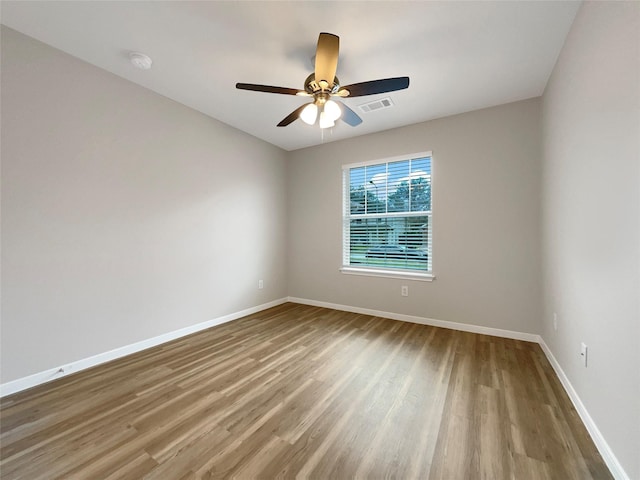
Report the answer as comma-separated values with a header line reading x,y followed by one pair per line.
x,y
387,217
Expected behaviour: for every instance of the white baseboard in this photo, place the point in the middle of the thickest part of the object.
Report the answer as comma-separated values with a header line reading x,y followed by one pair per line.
x,y
64,370
601,444
496,332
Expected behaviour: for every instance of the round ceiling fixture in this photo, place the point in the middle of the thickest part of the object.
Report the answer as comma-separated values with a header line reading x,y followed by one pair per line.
x,y
140,60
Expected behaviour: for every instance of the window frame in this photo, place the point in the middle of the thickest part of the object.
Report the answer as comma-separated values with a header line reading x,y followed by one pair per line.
x,y
350,269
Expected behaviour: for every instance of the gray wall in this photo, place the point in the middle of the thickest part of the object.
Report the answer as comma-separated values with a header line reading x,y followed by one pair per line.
x,y
124,214
591,218
486,257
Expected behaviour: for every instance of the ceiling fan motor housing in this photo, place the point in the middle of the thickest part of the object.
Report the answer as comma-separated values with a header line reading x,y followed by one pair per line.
x,y
313,87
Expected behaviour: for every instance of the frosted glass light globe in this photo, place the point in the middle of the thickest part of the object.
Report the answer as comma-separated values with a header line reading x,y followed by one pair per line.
x,y
309,114
325,120
332,110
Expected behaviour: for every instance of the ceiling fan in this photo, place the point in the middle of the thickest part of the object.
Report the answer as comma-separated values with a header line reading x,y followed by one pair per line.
x,y
323,84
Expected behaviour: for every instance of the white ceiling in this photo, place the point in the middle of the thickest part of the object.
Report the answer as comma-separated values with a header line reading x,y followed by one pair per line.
x,y
460,56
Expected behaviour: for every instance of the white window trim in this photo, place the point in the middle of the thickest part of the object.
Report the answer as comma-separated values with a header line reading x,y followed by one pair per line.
x,y
397,158
381,272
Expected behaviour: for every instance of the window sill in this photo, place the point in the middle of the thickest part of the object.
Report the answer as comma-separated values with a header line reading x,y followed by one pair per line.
x,y
373,272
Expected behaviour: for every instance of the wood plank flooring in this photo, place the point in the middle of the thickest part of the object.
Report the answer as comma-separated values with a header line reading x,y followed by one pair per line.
x,y
305,392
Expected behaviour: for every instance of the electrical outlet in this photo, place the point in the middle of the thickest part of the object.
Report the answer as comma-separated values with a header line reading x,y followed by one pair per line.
x,y
555,321
404,291
260,284
583,353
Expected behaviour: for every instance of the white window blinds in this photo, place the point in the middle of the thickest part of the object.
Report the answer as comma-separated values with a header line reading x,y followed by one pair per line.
x,y
387,214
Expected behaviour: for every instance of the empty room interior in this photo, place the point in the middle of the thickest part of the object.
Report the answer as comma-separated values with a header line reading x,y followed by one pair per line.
x,y
320,239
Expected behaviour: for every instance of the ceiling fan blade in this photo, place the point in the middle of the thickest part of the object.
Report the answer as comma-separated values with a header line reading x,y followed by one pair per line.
x,y
293,116
349,116
375,86
268,89
326,59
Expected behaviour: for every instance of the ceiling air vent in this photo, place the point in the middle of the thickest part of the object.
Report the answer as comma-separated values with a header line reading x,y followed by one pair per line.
x,y
376,105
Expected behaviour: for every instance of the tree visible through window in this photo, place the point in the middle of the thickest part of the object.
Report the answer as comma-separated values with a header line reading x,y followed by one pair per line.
x,y
387,214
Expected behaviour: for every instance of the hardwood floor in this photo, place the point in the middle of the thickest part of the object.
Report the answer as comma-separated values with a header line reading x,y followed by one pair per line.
x,y
306,392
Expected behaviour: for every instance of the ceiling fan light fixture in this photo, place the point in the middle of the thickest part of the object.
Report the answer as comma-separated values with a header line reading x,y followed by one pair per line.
x,y
309,114
325,120
332,110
